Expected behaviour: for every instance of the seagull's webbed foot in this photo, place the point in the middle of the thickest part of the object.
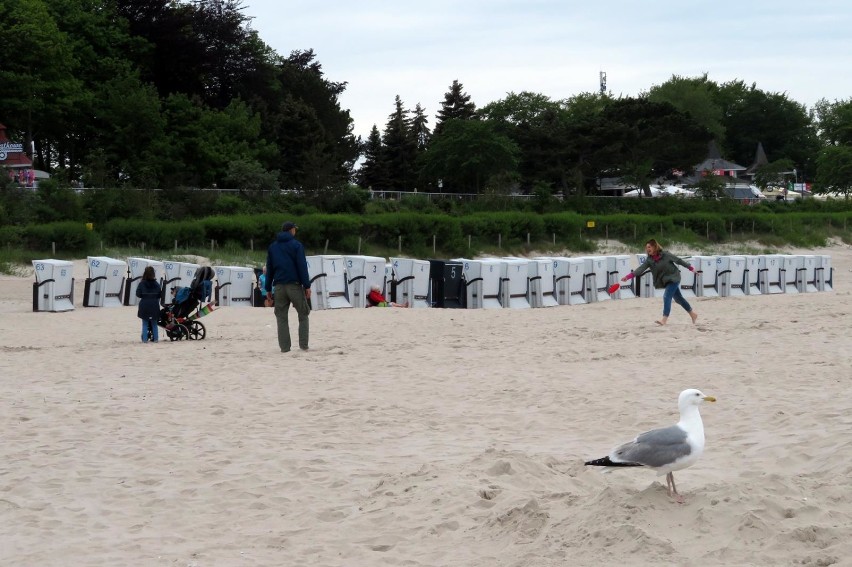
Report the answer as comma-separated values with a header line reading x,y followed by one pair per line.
x,y
671,489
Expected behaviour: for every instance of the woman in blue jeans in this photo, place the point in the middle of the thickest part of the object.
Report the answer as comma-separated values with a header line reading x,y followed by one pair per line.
x,y
148,292
664,268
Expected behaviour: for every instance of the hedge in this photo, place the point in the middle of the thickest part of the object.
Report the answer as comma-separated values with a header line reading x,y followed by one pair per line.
x,y
342,231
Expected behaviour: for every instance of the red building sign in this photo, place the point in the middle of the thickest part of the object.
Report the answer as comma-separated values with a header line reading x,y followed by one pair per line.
x,y
15,160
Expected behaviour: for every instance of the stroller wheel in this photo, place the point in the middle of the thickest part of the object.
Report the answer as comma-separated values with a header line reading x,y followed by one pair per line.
x,y
197,331
184,332
177,333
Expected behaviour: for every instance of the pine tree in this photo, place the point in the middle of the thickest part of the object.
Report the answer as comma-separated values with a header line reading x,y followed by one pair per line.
x,y
400,149
419,128
372,174
456,106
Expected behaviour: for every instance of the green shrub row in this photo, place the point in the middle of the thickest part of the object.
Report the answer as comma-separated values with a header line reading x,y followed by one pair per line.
x,y
343,231
67,235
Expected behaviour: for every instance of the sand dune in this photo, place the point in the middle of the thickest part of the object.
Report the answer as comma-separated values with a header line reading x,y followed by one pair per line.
x,y
426,437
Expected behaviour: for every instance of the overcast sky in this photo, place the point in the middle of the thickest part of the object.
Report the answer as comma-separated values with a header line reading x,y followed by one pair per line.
x,y
558,48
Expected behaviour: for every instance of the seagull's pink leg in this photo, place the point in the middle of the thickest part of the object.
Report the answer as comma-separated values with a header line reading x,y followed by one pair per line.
x,y
672,490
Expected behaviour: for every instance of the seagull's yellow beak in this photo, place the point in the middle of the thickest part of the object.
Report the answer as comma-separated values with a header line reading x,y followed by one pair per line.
x,y
709,399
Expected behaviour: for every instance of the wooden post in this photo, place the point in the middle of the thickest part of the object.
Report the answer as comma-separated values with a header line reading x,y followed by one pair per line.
x,y
400,244
468,242
251,244
175,245
434,243
326,247
211,245
359,245
143,247
528,239
707,229
634,232
53,246
732,229
554,239
500,240
606,234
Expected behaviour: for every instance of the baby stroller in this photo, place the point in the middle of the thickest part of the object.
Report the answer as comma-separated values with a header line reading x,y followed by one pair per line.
x,y
180,319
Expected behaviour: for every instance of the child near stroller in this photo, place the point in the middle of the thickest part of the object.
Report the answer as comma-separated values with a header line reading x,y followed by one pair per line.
x,y
180,318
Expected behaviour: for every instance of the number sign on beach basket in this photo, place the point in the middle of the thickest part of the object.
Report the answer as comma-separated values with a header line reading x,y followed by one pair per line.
x,y
105,285
53,289
135,269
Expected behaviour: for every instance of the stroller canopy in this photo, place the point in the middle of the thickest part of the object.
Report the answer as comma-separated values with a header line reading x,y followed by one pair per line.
x,y
204,274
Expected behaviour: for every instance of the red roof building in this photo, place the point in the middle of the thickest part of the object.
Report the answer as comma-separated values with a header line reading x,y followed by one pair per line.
x,y
15,159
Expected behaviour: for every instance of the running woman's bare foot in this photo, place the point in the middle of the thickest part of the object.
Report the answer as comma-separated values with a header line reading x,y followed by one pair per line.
x,y
662,321
694,316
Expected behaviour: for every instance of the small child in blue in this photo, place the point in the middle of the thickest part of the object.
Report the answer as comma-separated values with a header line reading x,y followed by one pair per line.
x,y
148,291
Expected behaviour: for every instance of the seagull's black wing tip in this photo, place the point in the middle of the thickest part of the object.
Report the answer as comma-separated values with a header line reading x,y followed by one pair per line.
x,y
607,462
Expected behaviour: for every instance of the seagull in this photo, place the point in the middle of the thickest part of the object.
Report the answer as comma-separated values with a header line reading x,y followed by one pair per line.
x,y
667,449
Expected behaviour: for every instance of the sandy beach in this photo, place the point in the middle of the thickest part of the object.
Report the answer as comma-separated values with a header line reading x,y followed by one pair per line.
x,y
426,437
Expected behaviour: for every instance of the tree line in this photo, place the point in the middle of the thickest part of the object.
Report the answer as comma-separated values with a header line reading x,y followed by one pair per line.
x,y
530,142
173,95
164,94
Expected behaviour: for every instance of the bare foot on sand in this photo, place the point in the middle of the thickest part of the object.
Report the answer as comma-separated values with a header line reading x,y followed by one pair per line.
x,y
694,316
662,321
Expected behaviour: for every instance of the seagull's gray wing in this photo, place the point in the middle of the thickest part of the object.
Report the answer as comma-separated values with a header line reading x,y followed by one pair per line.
x,y
655,448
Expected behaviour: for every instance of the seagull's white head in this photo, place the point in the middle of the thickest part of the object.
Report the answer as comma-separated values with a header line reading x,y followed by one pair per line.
x,y
692,397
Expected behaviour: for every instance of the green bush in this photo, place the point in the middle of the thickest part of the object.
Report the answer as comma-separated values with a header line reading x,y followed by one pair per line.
x,y
681,220
418,203
286,203
155,234
379,206
416,230
55,203
183,203
101,205
18,203
67,235
230,205
229,228
314,230
352,199
11,236
635,227
509,227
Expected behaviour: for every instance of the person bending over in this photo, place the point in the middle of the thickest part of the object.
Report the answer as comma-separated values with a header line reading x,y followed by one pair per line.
x,y
376,299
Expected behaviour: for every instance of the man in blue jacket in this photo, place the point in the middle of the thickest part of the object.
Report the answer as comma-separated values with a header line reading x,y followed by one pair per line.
x,y
287,274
